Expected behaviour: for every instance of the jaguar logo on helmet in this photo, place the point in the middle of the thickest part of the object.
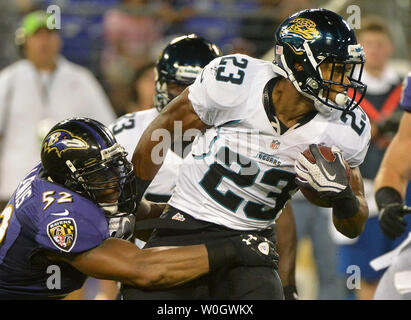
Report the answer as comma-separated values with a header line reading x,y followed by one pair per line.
x,y
62,140
302,28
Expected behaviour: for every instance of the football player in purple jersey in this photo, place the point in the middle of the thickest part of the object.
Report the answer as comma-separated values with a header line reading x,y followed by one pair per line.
x,y
391,183
395,172
56,220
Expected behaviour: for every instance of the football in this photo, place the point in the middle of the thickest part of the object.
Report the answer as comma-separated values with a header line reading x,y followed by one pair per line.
x,y
311,195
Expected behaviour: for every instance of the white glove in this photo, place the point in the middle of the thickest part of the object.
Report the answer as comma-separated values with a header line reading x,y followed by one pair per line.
x,y
122,227
323,176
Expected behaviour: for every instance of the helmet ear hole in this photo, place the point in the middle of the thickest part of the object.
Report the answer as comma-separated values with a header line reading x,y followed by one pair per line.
x,y
299,67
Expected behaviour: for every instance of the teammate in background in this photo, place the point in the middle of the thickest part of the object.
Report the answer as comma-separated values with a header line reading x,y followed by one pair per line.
x,y
255,119
57,217
390,185
380,103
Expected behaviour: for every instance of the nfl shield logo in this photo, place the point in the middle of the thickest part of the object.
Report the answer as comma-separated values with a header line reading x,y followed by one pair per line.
x,y
275,144
264,248
178,217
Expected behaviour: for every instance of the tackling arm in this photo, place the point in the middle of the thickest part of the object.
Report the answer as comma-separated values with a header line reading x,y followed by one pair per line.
x,y
120,260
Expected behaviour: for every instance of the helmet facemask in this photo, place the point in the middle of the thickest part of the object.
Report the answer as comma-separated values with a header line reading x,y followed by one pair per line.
x,y
185,75
351,70
109,183
309,80
180,62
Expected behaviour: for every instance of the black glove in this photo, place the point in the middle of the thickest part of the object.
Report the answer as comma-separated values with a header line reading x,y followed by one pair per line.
x,y
245,250
389,126
122,227
290,292
392,211
391,219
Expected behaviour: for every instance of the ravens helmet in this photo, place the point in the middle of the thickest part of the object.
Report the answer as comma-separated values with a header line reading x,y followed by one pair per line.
x,y
181,62
83,155
309,38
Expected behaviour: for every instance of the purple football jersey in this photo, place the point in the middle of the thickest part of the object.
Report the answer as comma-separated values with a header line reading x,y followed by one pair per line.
x,y
42,215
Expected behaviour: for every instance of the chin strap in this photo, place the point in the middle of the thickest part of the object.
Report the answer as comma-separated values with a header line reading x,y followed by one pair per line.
x,y
320,107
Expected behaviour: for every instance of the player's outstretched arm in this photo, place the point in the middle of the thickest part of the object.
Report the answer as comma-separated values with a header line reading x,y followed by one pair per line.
x,y
391,181
120,260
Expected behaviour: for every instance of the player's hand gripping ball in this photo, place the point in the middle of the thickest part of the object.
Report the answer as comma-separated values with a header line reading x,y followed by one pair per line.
x,y
322,173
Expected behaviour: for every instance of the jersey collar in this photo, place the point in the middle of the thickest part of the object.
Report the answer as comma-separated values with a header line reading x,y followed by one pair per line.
x,y
269,108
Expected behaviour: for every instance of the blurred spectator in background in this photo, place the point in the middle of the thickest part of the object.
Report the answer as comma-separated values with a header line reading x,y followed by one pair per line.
x,y
260,29
130,33
36,92
243,46
11,13
144,89
216,20
380,103
82,30
174,13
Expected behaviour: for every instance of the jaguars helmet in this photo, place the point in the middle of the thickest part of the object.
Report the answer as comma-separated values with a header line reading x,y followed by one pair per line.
x,y
181,61
83,155
314,36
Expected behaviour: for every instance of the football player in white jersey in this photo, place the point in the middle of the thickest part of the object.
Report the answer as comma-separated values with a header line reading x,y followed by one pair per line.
x,y
178,65
256,118
390,184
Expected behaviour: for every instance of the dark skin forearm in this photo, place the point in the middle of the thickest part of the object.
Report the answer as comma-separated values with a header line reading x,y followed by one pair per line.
x,y
352,227
287,246
120,260
146,161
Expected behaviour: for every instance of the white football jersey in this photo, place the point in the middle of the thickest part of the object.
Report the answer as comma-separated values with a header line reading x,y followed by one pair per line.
x,y
128,130
240,173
